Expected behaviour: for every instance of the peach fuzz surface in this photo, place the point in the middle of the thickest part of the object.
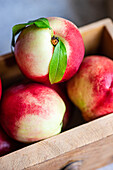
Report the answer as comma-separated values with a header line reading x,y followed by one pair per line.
x,y
60,88
34,50
31,112
91,89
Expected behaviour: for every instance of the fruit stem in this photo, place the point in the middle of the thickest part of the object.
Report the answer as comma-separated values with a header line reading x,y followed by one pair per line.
x,y
54,40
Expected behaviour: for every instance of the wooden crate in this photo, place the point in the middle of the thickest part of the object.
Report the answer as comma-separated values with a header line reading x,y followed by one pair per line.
x,y
89,145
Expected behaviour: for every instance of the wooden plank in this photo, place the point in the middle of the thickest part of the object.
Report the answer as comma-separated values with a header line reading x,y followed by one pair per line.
x,y
104,22
70,142
92,39
60,144
91,156
106,47
93,36
9,70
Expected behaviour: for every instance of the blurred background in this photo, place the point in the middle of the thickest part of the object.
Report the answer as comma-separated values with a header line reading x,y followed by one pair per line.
x,y
81,12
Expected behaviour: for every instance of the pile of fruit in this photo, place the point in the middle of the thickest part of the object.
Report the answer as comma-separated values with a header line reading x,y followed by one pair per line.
x,y
50,53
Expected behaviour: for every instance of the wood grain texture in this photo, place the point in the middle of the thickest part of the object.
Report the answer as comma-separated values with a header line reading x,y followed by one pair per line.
x,y
94,36
9,70
92,156
63,143
90,143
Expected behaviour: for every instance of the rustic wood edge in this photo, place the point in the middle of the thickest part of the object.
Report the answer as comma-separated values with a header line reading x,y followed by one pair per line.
x,y
91,156
107,22
101,23
74,138
60,144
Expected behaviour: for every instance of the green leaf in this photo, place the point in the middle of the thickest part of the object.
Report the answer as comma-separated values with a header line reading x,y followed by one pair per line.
x,y
16,29
58,63
40,23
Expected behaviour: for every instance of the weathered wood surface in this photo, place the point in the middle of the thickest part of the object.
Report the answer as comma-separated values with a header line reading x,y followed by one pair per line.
x,y
91,143
59,145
